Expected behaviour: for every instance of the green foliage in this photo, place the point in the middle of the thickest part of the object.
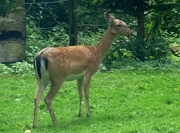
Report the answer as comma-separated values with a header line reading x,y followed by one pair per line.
x,y
37,39
34,39
6,6
132,64
48,13
90,18
157,11
118,51
5,69
120,101
23,68
87,37
151,49
57,37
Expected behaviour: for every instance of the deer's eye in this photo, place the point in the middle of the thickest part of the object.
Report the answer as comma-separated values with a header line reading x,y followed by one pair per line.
x,y
118,26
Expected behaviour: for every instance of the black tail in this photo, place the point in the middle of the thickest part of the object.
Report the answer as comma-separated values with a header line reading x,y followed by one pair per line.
x,y
40,63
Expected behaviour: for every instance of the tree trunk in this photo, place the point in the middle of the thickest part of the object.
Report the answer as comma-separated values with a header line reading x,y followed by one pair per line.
x,y
140,17
141,30
140,44
72,22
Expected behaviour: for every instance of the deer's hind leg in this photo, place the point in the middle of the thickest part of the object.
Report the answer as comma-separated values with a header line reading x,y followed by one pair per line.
x,y
55,86
40,90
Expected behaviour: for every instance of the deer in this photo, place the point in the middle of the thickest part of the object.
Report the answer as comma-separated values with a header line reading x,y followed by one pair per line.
x,y
59,64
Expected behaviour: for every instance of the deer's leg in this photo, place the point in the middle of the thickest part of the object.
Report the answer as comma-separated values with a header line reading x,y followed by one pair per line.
x,y
55,86
80,85
86,93
41,87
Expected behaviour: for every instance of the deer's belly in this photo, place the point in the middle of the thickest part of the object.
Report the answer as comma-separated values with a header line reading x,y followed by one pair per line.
x,y
71,77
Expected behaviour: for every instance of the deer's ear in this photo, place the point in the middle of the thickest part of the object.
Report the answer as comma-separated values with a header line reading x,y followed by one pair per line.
x,y
108,18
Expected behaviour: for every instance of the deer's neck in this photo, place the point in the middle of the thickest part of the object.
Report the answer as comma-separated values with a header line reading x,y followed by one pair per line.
x,y
104,45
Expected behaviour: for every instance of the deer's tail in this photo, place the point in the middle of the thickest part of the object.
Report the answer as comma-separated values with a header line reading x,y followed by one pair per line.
x,y
40,66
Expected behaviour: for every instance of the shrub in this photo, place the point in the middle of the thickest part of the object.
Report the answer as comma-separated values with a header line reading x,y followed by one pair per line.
x,y
175,49
17,68
151,49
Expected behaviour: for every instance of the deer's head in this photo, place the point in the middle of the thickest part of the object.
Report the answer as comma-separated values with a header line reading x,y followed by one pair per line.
x,y
118,27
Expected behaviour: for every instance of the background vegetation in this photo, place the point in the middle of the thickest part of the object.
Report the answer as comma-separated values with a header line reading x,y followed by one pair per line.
x,y
155,25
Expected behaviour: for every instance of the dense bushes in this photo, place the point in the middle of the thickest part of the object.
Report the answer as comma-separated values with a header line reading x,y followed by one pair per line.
x,y
91,26
152,49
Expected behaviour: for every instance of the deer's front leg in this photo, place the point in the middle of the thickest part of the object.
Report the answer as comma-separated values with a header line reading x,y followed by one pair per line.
x,y
86,93
80,85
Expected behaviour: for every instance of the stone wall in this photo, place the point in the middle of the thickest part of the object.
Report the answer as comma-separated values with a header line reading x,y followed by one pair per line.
x,y
12,36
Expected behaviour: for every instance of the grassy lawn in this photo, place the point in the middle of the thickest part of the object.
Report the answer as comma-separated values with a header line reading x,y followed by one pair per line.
x,y
142,101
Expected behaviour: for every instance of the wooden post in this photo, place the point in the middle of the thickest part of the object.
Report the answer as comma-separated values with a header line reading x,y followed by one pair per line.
x,y
72,23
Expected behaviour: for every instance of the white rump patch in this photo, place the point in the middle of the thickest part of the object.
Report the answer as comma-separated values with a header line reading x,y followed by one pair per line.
x,y
43,68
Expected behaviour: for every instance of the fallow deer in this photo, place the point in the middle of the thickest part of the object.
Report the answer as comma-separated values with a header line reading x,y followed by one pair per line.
x,y
58,64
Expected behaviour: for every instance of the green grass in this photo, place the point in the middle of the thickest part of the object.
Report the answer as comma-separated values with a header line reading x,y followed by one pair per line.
x,y
134,101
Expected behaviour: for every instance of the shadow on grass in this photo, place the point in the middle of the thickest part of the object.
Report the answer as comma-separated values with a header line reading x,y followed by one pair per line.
x,y
77,123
